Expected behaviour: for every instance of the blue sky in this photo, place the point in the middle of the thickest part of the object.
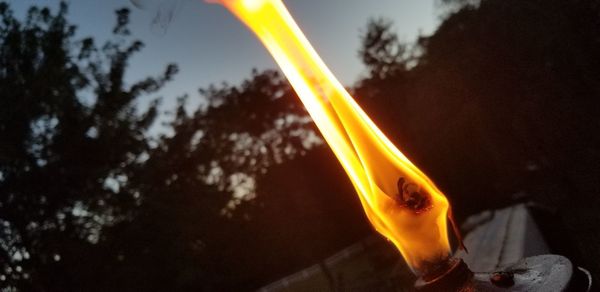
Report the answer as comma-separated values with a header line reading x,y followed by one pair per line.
x,y
211,46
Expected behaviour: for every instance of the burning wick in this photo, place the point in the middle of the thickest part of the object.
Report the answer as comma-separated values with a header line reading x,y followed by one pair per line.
x,y
411,196
400,201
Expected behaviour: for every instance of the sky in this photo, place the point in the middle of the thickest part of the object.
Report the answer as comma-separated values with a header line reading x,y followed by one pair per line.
x,y
210,46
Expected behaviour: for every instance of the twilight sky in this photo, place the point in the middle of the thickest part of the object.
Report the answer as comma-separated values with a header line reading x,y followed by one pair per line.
x,y
211,46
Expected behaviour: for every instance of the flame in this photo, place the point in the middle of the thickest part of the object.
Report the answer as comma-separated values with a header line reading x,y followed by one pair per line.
x,y
399,200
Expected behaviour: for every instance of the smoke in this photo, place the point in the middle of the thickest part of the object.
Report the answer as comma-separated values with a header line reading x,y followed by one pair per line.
x,y
164,12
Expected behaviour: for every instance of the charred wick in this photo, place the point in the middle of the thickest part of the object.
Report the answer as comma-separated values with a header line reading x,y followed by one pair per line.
x,y
418,200
412,196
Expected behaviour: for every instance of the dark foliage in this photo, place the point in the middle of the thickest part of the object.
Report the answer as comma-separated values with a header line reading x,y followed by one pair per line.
x,y
63,105
502,102
89,201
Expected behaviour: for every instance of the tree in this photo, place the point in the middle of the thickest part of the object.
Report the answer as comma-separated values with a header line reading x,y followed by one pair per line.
x,y
502,99
81,177
192,231
71,138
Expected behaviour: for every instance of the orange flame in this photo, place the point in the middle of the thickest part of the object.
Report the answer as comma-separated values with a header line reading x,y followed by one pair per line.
x,y
399,200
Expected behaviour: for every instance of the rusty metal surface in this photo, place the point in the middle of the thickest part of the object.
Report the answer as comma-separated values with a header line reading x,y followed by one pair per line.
x,y
534,274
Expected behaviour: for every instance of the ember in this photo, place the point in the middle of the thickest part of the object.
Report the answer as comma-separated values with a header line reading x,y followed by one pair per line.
x,y
412,197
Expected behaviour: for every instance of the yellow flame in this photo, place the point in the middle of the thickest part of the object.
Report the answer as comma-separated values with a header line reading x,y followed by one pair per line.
x,y
372,162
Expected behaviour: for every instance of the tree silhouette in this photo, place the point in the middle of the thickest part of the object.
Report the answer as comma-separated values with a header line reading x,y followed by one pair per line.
x,y
501,99
63,106
192,227
80,177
